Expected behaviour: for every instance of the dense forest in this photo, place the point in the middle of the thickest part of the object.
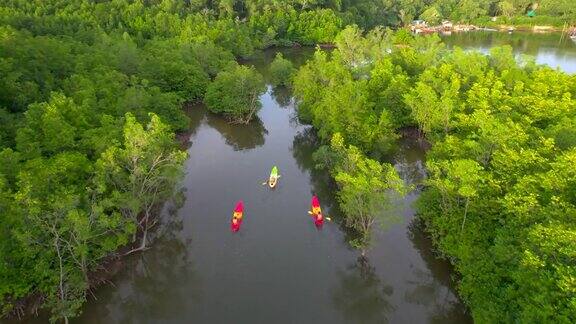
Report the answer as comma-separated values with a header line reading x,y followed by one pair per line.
x,y
500,198
91,95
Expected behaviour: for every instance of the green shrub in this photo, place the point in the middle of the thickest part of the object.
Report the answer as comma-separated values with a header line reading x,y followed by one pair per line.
x,y
281,71
235,94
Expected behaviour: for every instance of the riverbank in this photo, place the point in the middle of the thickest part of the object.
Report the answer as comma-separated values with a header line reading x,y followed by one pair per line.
x,y
527,23
528,28
31,306
101,270
492,26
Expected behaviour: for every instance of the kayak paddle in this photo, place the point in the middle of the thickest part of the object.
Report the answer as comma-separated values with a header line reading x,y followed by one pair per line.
x,y
326,218
266,182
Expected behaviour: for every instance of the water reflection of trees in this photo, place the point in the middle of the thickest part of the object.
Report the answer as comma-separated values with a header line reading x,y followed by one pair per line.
x,y
303,147
154,282
361,296
282,95
240,137
151,289
195,114
261,59
519,41
408,159
434,288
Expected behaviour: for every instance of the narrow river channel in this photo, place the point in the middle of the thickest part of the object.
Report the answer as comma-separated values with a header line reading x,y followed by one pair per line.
x,y
279,268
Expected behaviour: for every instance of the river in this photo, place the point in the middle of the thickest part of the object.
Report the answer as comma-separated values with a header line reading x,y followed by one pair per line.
x,y
279,268
553,49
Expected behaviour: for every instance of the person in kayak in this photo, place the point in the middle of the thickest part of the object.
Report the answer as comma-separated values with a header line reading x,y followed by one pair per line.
x,y
273,179
239,210
237,217
317,212
315,205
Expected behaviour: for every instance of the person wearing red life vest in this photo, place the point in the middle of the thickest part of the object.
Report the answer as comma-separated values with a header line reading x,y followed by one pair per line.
x,y
317,212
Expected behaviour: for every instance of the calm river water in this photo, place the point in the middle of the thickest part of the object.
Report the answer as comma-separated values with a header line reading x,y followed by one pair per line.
x,y
553,49
279,268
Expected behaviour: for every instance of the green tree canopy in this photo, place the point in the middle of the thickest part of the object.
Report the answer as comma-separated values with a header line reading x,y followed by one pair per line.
x,y
431,15
282,71
236,93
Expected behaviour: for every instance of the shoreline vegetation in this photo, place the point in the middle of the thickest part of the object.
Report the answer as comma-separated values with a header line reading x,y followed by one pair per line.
x,y
448,28
499,198
91,97
465,28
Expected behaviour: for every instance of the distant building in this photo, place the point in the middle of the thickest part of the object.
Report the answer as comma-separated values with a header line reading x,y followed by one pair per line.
x,y
418,25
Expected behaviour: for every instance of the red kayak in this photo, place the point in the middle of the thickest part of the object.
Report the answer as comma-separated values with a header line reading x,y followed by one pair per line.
x,y
237,217
317,212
